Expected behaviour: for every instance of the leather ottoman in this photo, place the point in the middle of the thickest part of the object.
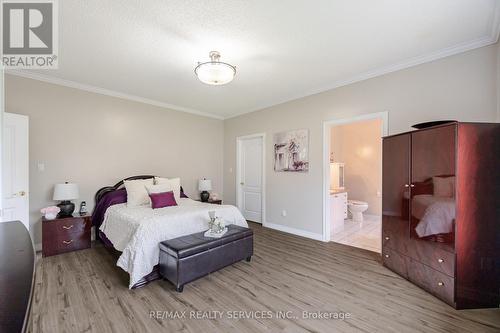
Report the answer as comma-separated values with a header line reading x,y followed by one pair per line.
x,y
187,258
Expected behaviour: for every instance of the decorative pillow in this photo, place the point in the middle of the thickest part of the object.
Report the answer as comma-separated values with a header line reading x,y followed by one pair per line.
x,y
161,200
175,184
137,195
444,186
159,188
107,200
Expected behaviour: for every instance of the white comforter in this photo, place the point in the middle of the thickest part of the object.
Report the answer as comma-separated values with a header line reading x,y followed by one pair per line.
x,y
137,231
436,214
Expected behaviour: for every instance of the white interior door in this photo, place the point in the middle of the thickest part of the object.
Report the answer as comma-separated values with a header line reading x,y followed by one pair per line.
x,y
250,182
15,169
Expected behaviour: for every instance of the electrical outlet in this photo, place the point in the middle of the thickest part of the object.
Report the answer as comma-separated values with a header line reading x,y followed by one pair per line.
x,y
283,213
41,166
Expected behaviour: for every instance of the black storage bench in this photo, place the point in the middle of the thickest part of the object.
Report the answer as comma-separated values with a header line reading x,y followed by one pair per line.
x,y
190,257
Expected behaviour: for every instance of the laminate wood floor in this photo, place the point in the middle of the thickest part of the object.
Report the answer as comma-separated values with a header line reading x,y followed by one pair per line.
x,y
85,292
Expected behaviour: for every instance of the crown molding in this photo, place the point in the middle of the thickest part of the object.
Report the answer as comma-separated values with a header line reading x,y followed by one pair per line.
x,y
107,92
412,62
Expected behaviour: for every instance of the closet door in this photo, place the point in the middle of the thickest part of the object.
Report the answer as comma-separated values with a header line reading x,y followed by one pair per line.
x,y
432,204
395,189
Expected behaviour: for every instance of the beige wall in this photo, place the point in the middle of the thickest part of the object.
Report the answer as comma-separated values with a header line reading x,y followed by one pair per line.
x,y
461,87
359,146
96,140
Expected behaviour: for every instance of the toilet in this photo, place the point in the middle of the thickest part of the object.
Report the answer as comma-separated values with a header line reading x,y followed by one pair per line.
x,y
357,208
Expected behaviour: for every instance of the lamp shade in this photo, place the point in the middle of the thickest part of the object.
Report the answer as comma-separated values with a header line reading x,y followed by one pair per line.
x,y
205,185
66,191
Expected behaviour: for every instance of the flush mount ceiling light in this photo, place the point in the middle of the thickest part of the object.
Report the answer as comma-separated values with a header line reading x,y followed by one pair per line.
x,y
215,72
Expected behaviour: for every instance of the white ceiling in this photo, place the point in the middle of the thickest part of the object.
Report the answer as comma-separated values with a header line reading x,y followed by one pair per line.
x,y
147,50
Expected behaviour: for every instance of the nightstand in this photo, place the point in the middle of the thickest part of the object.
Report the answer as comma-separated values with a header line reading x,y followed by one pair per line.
x,y
215,202
65,234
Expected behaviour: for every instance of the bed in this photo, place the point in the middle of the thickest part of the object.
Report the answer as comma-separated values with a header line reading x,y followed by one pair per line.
x,y
435,214
432,216
134,233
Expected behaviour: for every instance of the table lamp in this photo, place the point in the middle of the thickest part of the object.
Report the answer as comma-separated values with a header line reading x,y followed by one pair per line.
x,y
204,185
64,193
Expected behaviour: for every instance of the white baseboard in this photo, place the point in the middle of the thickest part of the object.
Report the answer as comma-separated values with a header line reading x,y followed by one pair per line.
x,y
294,231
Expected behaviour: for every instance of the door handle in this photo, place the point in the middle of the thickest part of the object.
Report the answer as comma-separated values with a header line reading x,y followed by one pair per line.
x,y
412,185
22,193
406,185
242,183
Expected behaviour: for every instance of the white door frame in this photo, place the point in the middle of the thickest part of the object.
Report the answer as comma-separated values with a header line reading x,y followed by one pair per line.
x,y
2,106
327,125
239,141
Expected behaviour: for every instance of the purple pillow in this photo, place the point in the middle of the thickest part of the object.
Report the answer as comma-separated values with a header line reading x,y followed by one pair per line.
x,y
161,200
107,200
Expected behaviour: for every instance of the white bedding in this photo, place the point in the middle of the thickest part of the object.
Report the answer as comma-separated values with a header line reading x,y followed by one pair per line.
x,y
436,214
137,231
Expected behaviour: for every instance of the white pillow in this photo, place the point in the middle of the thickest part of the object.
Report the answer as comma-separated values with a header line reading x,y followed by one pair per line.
x,y
175,184
137,195
444,186
161,188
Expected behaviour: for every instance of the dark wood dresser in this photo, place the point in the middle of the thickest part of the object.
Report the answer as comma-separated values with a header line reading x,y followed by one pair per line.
x,y
17,272
448,245
65,234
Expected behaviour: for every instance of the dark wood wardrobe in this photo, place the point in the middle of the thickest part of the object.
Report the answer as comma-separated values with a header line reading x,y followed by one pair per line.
x,y
441,211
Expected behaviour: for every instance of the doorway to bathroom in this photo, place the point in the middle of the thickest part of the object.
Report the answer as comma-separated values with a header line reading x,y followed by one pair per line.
x,y
352,183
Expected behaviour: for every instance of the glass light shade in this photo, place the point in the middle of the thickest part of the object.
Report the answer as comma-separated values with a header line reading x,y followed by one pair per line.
x,y
205,185
215,73
66,191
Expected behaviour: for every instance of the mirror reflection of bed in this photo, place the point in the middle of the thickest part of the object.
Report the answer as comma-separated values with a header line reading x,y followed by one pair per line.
x,y
432,209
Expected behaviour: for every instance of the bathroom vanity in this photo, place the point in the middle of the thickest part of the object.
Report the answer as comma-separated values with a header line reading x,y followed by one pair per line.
x,y
338,209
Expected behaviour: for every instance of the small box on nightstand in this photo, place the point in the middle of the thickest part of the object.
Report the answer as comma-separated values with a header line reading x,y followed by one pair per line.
x,y
65,234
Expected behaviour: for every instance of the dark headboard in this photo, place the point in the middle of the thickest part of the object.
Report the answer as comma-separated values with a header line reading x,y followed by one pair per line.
x,y
115,187
99,194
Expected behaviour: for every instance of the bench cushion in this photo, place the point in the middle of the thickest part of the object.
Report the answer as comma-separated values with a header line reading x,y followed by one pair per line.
x,y
189,245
